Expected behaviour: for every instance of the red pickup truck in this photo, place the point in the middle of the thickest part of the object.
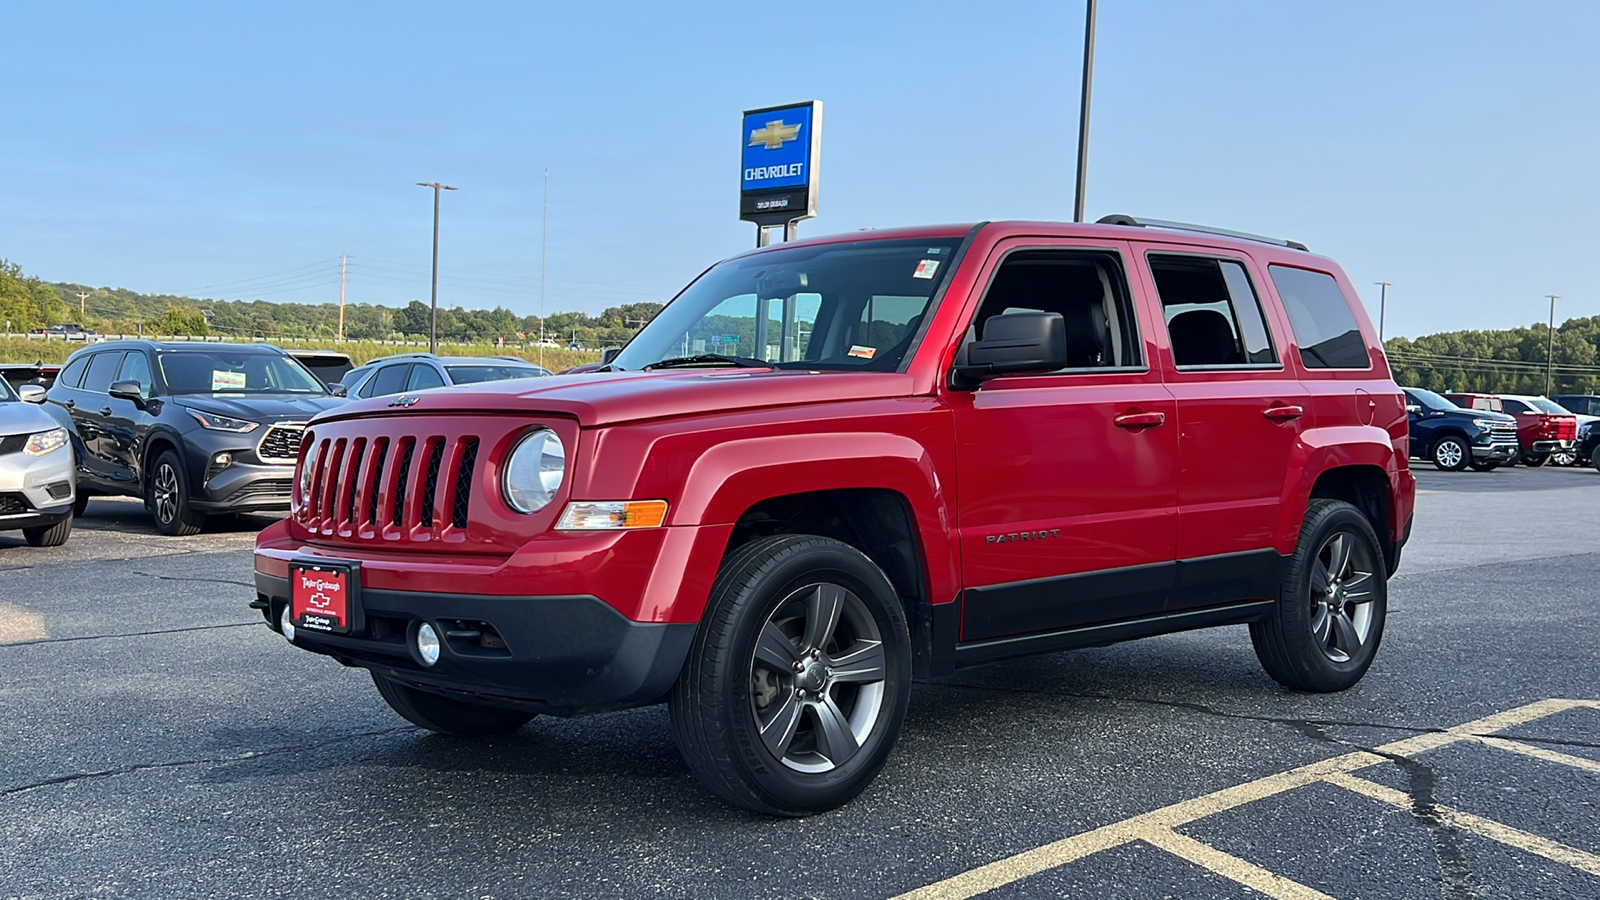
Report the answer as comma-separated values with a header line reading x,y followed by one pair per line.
x,y
1543,427
831,466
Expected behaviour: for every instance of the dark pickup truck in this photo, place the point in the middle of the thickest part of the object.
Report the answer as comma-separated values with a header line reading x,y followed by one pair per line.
x,y
1453,438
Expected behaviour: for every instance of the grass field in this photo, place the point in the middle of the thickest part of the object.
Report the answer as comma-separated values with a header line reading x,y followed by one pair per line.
x,y
19,349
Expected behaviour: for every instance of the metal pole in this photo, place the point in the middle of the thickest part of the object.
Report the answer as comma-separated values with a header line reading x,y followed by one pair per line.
x,y
343,258
544,247
1383,305
433,315
1083,111
1550,350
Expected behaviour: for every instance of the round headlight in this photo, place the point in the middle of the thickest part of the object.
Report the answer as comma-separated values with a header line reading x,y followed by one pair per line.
x,y
534,471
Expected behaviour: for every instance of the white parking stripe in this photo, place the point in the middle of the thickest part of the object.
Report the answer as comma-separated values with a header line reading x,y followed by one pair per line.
x,y
1496,831
1150,826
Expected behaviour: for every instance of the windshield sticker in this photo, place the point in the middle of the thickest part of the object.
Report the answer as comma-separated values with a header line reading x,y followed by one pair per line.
x,y
926,268
227,381
863,352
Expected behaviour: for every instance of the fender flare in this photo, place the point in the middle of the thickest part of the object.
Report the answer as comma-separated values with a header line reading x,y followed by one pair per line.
x,y
1321,450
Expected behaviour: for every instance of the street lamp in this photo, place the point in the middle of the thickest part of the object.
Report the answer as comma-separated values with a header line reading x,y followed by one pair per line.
x,y
1083,111
1550,349
1383,303
433,316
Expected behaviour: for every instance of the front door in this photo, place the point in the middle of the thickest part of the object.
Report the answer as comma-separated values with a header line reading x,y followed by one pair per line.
x,y
1066,482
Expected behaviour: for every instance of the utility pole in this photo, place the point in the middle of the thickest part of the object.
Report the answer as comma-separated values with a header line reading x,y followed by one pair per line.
x,y
83,305
343,258
544,246
433,316
1550,350
1383,304
1083,112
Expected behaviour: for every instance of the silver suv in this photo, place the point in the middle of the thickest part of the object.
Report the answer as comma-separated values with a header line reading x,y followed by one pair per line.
x,y
419,371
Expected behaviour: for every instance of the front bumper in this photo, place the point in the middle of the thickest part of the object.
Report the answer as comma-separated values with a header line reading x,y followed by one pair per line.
x,y
1494,452
562,655
36,490
243,487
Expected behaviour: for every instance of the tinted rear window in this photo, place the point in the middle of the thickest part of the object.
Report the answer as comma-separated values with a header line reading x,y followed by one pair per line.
x,y
1320,316
102,369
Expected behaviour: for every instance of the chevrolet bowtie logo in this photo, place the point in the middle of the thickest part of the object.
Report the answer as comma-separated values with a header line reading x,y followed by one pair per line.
x,y
775,135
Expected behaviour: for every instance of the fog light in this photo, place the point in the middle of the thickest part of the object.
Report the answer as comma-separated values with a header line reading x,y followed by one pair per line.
x,y
427,644
286,623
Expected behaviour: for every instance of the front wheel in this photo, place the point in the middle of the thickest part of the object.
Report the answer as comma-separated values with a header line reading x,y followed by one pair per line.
x,y
1485,466
445,715
1324,632
167,496
49,535
1535,460
796,684
1450,454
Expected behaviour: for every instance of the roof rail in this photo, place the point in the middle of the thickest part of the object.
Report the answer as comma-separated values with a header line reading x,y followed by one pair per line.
x,y
1119,219
415,355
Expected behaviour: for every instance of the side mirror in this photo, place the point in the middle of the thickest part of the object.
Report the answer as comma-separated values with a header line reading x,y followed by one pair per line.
x,y
1414,409
338,390
1017,342
32,393
608,354
128,390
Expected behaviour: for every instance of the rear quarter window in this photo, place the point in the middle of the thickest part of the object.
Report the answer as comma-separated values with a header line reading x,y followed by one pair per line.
x,y
1323,324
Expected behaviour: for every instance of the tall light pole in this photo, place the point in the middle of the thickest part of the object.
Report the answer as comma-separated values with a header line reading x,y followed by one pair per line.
x,y
1383,305
433,317
544,255
1550,349
1083,111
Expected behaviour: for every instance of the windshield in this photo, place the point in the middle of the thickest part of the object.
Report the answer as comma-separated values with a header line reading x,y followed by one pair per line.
x,y
475,374
1550,406
852,306
1429,400
223,371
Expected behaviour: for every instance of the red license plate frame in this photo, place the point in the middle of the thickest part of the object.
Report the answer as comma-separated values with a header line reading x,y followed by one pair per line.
x,y
323,596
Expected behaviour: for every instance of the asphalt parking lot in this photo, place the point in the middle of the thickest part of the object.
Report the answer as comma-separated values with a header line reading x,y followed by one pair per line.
x,y
159,740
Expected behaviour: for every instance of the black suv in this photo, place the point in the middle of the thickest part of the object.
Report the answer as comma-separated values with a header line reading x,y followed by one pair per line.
x,y
191,428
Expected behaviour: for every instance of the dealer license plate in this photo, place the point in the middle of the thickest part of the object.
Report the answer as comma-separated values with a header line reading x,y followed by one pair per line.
x,y
320,596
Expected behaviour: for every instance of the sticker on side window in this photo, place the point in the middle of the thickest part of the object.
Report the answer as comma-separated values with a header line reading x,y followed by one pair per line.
x,y
227,381
926,268
863,352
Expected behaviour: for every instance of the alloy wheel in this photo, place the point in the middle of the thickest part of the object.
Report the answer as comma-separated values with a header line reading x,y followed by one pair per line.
x,y
166,493
817,678
1342,582
1448,454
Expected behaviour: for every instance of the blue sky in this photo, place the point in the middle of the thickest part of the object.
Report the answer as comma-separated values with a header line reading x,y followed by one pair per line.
x,y
236,150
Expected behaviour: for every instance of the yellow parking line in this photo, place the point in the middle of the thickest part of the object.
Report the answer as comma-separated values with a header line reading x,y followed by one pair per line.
x,y
1002,872
1232,867
1576,762
1489,828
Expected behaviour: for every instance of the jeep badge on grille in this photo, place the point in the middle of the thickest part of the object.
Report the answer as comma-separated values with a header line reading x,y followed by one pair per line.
x,y
404,401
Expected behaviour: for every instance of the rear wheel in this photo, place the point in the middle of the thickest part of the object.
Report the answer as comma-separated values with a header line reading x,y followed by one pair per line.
x,y
1535,460
49,535
167,496
446,715
1325,630
1564,458
796,684
1450,453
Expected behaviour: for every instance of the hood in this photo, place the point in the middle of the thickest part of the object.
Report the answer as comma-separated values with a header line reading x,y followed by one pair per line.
x,y
1478,414
17,417
265,408
610,398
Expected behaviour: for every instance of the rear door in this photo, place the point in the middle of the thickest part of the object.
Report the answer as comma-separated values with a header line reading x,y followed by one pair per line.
x,y
91,411
1065,481
390,379
1241,412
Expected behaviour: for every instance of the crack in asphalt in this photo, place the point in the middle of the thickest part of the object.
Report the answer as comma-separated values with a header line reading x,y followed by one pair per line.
x,y
205,760
102,637
183,578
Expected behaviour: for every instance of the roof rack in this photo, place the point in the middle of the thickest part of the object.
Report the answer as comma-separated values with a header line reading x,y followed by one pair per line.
x,y
1119,219
414,355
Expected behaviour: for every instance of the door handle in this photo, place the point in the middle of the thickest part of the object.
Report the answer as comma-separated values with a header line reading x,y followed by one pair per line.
x,y
1139,420
70,404
1283,413
105,411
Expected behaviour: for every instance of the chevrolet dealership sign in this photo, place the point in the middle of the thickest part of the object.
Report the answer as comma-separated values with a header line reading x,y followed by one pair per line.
x,y
778,177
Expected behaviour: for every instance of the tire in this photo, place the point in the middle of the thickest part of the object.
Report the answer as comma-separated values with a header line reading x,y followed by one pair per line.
x,y
765,713
1485,466
166,495
1311,641
448,716
49,535
1535,460
1450,453
80,505
1564,458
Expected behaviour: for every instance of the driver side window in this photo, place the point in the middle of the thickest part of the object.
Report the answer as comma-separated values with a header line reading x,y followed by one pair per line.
x,y
1087,288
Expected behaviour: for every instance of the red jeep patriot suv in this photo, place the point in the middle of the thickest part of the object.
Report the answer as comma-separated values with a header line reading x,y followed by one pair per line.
x,y
832,466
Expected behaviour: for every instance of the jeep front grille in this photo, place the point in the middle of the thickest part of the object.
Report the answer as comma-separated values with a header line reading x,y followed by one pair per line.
x,y
390,488
281,443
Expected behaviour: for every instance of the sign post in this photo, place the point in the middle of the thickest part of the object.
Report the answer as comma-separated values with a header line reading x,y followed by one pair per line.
x,y
778,172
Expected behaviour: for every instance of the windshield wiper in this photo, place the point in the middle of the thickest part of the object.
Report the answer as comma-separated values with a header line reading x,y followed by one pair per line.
x,y
743,362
